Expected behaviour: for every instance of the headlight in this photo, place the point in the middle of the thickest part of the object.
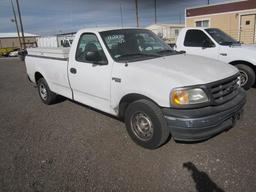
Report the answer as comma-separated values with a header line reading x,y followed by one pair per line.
x,y
188,96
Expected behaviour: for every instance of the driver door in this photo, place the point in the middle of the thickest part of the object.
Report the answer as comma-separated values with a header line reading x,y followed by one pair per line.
x,y
196,42
90,81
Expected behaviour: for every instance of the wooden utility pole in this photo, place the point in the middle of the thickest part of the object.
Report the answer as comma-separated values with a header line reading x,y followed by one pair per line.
x,y
137,13
155,13
16,24
21,25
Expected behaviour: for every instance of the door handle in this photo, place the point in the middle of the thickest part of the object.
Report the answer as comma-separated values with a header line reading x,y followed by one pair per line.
x,y
182,51
223,54
73,70
116,79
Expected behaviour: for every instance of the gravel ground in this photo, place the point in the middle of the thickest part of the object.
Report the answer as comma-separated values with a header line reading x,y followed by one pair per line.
x,y
70,147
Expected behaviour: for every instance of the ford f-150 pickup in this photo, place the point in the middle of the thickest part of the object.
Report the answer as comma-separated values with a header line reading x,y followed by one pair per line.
x,y
132,74
214,43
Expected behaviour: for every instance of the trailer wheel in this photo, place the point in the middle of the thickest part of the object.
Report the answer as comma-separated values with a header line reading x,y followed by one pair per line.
x,y
145,124
46,95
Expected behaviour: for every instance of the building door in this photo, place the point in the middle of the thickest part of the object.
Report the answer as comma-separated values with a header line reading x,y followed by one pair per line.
x,y
247,29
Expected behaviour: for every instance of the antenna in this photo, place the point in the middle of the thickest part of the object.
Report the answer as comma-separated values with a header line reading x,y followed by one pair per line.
x,y
155,13
121,14
137,13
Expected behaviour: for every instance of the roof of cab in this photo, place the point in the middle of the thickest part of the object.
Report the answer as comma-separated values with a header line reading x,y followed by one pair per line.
x,y
202,28
101,29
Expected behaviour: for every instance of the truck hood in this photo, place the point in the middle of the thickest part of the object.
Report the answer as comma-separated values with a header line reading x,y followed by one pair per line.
x,y
244,48
249,47
185,70
243,52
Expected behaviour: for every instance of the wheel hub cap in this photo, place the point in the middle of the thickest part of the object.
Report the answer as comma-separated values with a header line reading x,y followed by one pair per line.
x,y
43,92
142,126
243,77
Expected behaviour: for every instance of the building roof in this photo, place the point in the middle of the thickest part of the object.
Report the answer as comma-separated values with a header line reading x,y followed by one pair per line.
x,y
14,35
221,8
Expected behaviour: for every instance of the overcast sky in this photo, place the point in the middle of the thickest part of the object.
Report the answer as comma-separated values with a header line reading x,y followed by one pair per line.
x,y
46,17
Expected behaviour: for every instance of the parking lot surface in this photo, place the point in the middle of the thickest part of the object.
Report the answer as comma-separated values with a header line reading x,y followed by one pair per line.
x,y
70,147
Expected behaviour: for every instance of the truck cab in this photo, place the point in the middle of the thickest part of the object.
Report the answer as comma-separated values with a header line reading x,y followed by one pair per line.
x,y
215,44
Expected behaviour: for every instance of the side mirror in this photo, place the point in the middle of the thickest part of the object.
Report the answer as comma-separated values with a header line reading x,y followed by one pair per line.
x,y
207,44
92,56
95,58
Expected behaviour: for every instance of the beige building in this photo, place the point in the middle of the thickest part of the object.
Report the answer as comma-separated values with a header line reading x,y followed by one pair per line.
x,y
11,40
169,32
237,18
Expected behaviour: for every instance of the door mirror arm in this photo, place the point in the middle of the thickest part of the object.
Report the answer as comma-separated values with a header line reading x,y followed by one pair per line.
x,y
207,44
102,62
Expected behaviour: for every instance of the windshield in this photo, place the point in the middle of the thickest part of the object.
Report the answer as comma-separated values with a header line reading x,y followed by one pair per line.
x,y
134,44
221,37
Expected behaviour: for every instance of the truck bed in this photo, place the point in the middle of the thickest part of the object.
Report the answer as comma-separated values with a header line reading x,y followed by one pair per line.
x,y
52,64
58,53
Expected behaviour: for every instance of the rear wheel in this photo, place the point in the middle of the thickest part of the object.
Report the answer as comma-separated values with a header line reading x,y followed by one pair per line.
x,y
145,124
46,95
247,76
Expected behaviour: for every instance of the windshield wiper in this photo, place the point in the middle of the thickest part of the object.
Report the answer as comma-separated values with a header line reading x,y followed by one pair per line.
x,y
172,52
230,43
236,43
138,54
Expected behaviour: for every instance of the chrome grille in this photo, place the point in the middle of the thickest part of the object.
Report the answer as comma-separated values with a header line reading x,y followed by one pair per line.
x,y
225,90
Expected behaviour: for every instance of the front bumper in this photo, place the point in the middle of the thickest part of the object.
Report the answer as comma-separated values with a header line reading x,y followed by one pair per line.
x,y
203,123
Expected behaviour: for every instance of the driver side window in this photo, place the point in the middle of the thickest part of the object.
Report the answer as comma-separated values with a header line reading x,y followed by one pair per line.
x,y
89,42
196,38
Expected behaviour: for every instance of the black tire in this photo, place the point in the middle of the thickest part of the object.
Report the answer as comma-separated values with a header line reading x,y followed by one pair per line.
x,y
49,97
147,110
247,76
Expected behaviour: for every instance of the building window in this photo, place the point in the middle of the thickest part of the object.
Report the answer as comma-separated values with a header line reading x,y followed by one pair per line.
x,y
203,23
247,23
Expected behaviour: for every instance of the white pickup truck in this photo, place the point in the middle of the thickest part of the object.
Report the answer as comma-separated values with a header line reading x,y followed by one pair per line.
x,y
215,44
132,74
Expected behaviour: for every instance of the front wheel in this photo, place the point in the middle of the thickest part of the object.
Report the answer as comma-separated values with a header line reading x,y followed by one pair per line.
x,y
145,124
247,76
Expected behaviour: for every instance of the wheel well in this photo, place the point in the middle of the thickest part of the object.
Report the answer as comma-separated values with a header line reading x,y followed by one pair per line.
x,y
128,99
38,76
245,63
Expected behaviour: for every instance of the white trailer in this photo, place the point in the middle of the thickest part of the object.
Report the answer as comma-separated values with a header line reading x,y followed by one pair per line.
x,y
49,41
54,42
